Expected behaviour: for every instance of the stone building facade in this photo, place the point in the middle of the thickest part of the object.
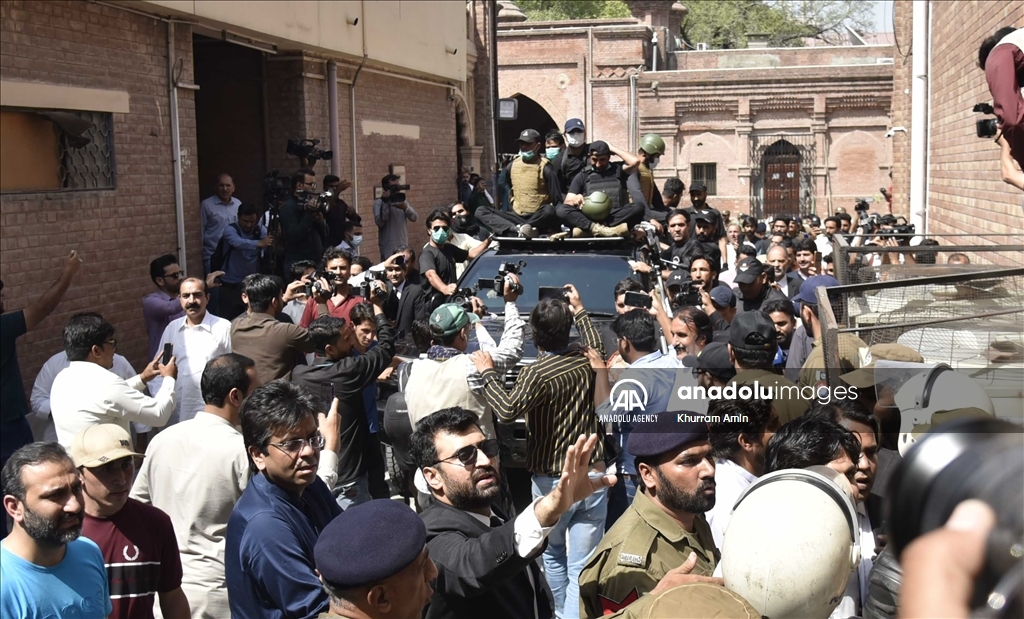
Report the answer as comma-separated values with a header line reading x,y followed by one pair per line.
x,y
771,131
247,77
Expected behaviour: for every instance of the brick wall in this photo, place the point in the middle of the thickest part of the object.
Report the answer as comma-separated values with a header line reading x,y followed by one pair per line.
x,y
116,231
902,81
965,195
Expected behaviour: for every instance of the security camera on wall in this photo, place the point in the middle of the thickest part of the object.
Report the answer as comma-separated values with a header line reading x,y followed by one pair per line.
x,y
892,132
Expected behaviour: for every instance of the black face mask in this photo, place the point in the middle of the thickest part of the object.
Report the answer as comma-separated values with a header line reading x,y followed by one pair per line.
x,y
463,225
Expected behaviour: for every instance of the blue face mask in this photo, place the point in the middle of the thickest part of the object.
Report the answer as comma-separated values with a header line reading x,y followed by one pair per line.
x,y
551,153
527,154
440,236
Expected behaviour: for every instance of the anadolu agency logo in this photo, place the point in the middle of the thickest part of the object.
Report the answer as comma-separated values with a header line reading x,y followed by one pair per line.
x,y
628,394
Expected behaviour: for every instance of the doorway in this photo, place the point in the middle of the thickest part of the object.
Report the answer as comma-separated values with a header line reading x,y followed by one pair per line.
x,y
531,116
781,174
229,117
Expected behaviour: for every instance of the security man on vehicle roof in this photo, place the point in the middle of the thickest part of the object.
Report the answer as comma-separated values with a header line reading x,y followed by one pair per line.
x,y
534,193
652,147
618,181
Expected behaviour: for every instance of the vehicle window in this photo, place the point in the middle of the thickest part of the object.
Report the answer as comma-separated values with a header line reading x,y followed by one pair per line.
x,y
594,276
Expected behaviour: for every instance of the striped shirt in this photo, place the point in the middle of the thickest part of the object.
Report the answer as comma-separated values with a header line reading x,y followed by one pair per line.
x,y
556,393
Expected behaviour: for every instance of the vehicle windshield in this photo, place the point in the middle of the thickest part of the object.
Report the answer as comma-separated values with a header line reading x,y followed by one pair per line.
x,y
594,276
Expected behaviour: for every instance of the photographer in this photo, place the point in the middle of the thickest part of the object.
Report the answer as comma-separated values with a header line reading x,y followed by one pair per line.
x,y
334,278
1001,57
391,211
305,230
337,209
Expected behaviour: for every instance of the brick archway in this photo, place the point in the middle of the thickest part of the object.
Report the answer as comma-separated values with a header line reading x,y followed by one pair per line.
x,y
531,116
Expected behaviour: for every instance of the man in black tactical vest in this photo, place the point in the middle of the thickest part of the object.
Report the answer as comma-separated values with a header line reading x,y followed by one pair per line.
x,y
618,181
534,193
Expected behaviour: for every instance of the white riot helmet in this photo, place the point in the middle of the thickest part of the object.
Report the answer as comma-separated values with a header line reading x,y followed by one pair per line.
x,y
939,388
792,542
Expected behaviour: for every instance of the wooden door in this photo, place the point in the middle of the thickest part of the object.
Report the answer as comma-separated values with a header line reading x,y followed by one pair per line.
x,y
782,185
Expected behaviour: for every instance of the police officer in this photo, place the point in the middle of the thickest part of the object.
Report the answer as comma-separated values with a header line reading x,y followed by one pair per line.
x,y
373,562
616,180
535,191
664,525
573,158
652,147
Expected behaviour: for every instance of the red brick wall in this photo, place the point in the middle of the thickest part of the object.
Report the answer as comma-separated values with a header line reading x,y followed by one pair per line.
x,y
902,82
116,231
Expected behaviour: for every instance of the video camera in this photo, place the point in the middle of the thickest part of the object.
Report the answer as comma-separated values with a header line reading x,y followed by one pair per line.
x,y
317,202
371,276
689,296
498,283
308,150
463,297
862,204
985,127
315,289
396,198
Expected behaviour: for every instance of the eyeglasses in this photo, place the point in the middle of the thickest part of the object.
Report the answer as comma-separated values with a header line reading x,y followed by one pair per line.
x,y
294,446
468,454
436,228
175,275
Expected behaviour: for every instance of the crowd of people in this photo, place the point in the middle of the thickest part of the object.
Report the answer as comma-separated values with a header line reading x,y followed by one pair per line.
x,y
241,472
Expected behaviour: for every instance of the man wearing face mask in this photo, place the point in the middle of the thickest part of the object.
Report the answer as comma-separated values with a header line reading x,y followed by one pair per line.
x,y
618,181
353,235
535,191
573,158
439,258
652,147
554,144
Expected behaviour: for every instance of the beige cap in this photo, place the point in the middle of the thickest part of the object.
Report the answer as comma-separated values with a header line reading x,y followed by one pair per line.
x,y
97,445
865,376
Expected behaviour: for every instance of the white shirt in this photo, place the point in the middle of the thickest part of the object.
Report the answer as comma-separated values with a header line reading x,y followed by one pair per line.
x,y
529,537
44,384
823,244
86,394
194,347
857,585
731,480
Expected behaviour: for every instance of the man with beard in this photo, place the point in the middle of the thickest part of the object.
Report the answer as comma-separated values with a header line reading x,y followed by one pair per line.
x,y
664,526
778,259
618,181
753,348
195,338
487,562
783,316
752,277
706,232
46,569
137,540
698,203
738,447
269,563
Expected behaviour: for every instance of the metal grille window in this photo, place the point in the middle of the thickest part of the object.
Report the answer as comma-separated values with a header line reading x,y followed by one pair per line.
x,y
706,173
51,150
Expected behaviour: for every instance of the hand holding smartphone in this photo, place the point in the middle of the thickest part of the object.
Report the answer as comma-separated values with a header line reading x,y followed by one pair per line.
x,y
168,353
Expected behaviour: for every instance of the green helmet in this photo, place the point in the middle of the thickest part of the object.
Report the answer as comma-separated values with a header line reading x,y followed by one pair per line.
x,y
652,144
596,206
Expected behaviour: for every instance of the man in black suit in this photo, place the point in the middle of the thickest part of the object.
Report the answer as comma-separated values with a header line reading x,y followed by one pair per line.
x,y
486,561
406,302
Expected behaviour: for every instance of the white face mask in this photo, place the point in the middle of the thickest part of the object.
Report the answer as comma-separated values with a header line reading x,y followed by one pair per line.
x,y
356,240
575,138
653,163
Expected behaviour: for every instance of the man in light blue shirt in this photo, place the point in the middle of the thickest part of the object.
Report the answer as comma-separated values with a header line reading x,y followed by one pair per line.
x,y
215,213
243,241
644,387
47,570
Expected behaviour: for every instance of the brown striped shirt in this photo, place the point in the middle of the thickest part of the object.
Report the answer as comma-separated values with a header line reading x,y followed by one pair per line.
x,y
556,393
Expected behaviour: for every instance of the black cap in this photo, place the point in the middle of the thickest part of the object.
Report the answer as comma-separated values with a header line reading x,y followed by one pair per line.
x,y
753,331
679,277
747,270
529,135
714,360
666,434
698,186
600,148
369,543
704,215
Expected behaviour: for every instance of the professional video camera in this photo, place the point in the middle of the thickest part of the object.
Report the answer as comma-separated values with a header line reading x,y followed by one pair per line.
x,y
317,202
985,127
862,204
308,151
371,276
967,459
904,229
688,296
872,223
463,297
315,288
399,197
498,283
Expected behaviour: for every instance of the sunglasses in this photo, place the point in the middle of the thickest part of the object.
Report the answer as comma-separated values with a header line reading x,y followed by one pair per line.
x,y
468,454
175,275
436,228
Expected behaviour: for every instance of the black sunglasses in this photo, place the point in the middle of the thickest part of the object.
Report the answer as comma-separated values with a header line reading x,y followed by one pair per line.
x,y
468,454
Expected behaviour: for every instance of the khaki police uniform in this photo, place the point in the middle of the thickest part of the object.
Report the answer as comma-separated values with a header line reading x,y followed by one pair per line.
x,y
647,185
790,405
698,600
640,548
529,189
812,373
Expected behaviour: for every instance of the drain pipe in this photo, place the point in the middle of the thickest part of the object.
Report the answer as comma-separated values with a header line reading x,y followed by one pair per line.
x,y
332,103
919,117
352,108
179,204
654,51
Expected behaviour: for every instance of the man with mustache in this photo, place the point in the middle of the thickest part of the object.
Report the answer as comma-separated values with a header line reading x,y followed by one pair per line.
x,y
196,337
665,527
137,540
486,561
46,569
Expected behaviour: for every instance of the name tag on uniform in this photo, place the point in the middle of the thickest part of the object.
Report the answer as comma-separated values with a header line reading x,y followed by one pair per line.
x,y
630,559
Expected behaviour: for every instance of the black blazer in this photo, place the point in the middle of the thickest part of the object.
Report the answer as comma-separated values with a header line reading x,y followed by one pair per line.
x,y
411,307
478,571
794,281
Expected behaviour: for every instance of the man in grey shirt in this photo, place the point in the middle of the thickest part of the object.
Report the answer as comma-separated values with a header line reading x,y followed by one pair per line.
x,y
391,218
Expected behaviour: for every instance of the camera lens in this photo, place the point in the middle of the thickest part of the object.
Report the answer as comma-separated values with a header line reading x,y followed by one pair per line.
x,y
971,459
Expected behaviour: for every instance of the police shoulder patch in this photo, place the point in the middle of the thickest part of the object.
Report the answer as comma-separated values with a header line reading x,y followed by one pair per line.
x,y
626,558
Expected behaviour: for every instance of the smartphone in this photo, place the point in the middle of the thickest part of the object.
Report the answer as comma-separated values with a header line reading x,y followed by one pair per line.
x,y
327,395
817,262
638,300
551,292
168,353
399,261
